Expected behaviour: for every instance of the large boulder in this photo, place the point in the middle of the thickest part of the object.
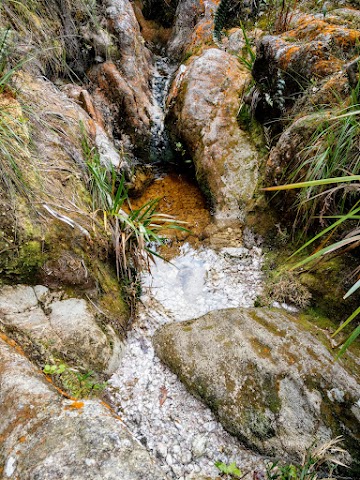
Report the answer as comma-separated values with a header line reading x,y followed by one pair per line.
x,y
270,381
59,328
204,103
46,436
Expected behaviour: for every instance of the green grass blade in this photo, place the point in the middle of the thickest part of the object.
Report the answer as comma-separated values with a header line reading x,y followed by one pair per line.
x,y
352,289
326,230
350,340
313,183
324,251
347,321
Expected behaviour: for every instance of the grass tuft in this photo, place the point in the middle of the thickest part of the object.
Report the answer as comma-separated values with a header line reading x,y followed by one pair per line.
x,y
134,233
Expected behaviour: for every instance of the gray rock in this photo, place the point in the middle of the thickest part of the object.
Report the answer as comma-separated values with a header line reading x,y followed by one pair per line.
x,y
17,299
199,446
270,380
74,324
70,331
47,437
41,293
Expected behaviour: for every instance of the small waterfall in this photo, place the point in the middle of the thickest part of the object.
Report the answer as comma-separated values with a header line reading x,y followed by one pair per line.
x,y
160,148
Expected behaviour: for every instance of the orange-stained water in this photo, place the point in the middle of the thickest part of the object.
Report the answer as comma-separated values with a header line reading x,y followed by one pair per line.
x,y
183,199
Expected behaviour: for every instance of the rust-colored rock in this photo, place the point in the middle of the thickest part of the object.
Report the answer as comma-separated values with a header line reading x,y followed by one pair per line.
x,y
193,27
204,102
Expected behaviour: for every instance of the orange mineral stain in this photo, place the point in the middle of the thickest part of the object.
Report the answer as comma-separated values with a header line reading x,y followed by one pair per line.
x,y
75,405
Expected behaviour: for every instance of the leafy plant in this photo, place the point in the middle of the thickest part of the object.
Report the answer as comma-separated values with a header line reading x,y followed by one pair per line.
x,y
331,152
79,385
231,471
54,369
249,55
221,16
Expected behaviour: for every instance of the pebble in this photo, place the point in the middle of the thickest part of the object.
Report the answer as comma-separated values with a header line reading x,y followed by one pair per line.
x,y
186,457
169,459
199,446
176,449
162,449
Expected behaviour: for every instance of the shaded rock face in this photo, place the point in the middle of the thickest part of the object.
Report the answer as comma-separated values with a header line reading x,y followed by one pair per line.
x,y
60,328
269,380
203,104
163,11
125,83
46,436
193,27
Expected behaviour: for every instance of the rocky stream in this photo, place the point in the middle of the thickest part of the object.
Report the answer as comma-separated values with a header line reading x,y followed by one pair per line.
x,y
200,373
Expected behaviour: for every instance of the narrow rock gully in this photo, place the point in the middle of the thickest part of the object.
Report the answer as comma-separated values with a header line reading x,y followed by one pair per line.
x,y
219,269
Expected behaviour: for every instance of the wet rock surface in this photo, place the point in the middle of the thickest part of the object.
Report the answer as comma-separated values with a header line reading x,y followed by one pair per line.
x,y
204,102
249,366
45,436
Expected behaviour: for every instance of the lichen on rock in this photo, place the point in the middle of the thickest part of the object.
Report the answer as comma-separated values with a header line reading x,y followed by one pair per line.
x,y
249,366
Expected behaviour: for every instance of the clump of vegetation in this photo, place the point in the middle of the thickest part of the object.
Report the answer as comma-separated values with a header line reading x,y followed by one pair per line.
x,y
230,471
325,173
34,21
13,132
134,233
77,384
286,288
221,16
315,461
249,55
318,462
331,151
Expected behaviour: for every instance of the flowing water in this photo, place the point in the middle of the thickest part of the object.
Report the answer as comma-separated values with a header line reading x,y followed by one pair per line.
x,y
160,149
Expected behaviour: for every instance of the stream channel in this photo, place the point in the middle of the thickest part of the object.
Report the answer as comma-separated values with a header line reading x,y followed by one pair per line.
x,y
178,429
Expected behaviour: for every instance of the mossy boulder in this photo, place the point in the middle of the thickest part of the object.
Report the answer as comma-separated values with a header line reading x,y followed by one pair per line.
x,y
271,381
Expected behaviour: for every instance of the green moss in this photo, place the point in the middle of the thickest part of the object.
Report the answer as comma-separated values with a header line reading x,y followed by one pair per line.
x,y
264,351
111,298
248,123
187,328
259,424
268,325
23,264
